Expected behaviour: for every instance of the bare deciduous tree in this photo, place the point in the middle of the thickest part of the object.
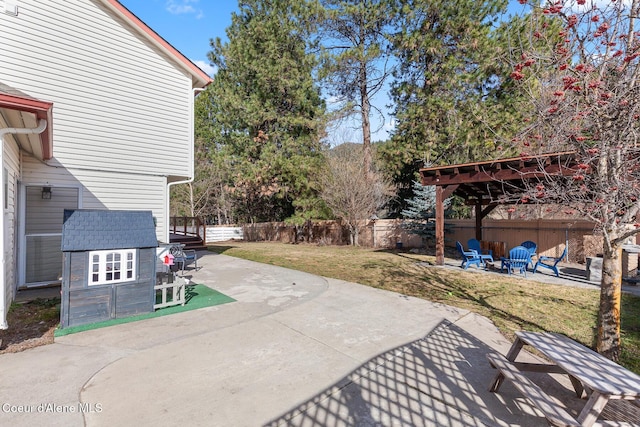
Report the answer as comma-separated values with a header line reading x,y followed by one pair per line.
x,y
583,81
349,194
209,195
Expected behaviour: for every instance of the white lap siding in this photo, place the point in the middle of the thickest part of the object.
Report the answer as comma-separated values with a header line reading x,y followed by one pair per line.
x,y
105,189
122,110
10,158
119,104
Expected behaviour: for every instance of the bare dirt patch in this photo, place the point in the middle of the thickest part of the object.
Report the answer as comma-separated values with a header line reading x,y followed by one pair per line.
x,y
31,324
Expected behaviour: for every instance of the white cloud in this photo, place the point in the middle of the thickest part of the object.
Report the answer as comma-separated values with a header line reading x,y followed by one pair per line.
x,y
332,100
206,67
180,7
390,126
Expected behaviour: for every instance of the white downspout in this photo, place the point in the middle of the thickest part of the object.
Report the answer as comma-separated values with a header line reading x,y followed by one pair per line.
x,y
42,125
191,167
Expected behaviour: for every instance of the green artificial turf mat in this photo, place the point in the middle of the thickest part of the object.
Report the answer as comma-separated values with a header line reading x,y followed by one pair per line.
x,y
197,296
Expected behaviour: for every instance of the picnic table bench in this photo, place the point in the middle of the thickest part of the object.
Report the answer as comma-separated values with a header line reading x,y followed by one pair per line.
x,y
600,378
551,410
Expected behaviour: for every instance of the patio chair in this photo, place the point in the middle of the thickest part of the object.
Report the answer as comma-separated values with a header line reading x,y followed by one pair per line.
x,y
469,257
183,257
550,262
519,258
474,244
532,247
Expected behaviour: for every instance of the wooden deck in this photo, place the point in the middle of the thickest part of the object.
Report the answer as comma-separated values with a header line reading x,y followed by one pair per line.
x,y
189,231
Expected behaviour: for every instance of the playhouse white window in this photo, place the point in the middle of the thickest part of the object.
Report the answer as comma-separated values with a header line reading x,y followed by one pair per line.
x,y
106,267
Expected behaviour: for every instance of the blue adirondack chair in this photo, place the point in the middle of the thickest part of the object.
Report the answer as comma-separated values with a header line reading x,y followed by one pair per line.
x,y
532,246
470,257
550,262
474,244
519,259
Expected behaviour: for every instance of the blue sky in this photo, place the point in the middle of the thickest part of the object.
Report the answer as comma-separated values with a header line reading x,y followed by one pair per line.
x,y
187,24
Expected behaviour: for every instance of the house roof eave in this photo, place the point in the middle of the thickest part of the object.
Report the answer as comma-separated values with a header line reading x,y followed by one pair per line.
x,y
41,109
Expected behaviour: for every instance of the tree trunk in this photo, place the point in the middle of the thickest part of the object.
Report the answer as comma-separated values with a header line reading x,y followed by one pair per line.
x,y
309,230
608,343
353,232
191,203
366,124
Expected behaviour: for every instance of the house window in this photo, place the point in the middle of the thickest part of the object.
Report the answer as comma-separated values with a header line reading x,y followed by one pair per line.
x,y
108,267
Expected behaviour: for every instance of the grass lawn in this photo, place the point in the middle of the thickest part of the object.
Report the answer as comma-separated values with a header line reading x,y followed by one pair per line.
x,y
512,303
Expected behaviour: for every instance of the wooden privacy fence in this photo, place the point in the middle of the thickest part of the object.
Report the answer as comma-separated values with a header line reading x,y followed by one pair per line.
x,y
320,232
549,234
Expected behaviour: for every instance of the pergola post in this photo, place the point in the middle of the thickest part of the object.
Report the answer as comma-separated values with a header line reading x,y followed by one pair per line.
x,y
479,217
439,225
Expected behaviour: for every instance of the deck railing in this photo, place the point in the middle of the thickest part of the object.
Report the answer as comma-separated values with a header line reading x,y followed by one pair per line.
x,y
188,226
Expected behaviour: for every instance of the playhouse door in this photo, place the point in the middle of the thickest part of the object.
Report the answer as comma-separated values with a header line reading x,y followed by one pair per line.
x,y
44,208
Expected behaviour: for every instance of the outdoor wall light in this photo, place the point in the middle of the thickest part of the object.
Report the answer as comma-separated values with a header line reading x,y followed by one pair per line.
x,y
46,193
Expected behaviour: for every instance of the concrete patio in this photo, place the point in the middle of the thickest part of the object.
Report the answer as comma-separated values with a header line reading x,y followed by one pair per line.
x,y
294,349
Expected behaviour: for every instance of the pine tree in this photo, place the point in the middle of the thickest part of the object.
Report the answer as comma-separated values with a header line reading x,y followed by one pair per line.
x,y
420,210
267,112
355,52
450,88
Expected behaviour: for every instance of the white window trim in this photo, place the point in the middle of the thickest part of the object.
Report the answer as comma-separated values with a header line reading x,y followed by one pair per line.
x,y
103,271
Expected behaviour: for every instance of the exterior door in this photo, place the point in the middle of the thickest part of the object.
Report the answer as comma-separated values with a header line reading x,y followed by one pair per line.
x,y
44,210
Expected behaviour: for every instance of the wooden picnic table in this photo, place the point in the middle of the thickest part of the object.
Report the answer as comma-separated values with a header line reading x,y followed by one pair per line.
x,y
602,379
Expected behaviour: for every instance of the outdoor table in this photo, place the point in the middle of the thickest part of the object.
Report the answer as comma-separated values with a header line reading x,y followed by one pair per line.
x,y
590,372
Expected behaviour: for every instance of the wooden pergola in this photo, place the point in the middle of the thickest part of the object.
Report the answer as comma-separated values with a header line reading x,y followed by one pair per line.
x,y
486,185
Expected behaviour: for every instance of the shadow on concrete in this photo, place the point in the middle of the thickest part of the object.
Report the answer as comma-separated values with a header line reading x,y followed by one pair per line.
x,y
441,379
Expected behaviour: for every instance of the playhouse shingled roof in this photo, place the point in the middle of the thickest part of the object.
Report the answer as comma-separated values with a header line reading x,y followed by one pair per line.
x,y
88,229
